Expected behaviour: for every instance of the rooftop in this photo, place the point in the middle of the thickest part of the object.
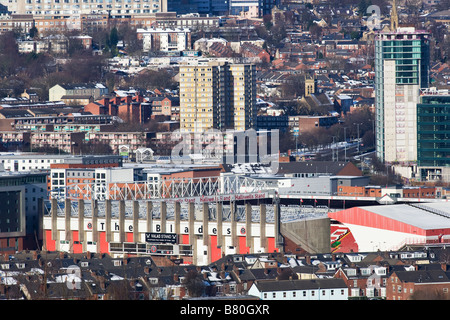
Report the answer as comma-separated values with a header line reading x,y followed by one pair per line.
x,y
421,217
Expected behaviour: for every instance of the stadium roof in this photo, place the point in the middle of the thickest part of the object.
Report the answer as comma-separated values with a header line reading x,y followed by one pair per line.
x,y
425,216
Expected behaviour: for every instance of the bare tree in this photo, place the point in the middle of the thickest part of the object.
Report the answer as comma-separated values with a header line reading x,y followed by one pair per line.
x,y
194,283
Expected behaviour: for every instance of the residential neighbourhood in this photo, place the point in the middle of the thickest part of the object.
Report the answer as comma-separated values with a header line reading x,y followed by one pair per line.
x,y
257,150
378,275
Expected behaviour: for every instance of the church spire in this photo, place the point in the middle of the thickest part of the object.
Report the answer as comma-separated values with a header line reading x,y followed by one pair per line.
x,y
394,16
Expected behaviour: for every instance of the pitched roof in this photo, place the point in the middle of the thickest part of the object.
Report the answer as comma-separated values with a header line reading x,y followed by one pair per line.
x,y
423,276
15,113
290,285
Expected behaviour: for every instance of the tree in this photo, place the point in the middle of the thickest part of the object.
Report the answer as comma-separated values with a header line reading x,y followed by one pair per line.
x,y
9,55
119,290
151,79
316,31
287,141
113,37
294,87
194,283
267,20
362,7
33,32
128,35
84,67
359,122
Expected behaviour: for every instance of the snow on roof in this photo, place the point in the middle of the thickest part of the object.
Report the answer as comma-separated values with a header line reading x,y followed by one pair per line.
x,y
420,217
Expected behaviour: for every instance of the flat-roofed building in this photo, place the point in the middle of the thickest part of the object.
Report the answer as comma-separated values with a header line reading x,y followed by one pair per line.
x,y
20,224
217,95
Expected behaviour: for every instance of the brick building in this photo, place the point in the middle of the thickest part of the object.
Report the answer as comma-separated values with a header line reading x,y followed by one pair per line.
x,y
419,284
251,51
306,123
129,108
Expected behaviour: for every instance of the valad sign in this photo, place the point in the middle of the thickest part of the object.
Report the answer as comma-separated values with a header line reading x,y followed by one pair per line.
x,y
152,237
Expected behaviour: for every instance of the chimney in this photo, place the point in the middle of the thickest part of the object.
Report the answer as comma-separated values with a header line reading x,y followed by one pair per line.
x,y
89,255
308,259
444,266
176,278
102,283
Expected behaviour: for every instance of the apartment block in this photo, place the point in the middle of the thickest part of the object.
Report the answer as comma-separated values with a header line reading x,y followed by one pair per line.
x,y
116,140
433,113
165,39
16,21
217,95
243,85
401,70
20,195
69,142
79,181
433,137
24,162
75,8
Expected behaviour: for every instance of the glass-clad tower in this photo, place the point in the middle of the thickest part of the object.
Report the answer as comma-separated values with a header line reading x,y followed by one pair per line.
x,y
433,130
401,70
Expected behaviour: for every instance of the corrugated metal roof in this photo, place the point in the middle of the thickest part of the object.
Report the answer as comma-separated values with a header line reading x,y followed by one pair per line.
x,y
418,217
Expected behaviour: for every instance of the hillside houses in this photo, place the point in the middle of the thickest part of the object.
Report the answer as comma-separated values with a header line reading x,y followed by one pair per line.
x,y
380,275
